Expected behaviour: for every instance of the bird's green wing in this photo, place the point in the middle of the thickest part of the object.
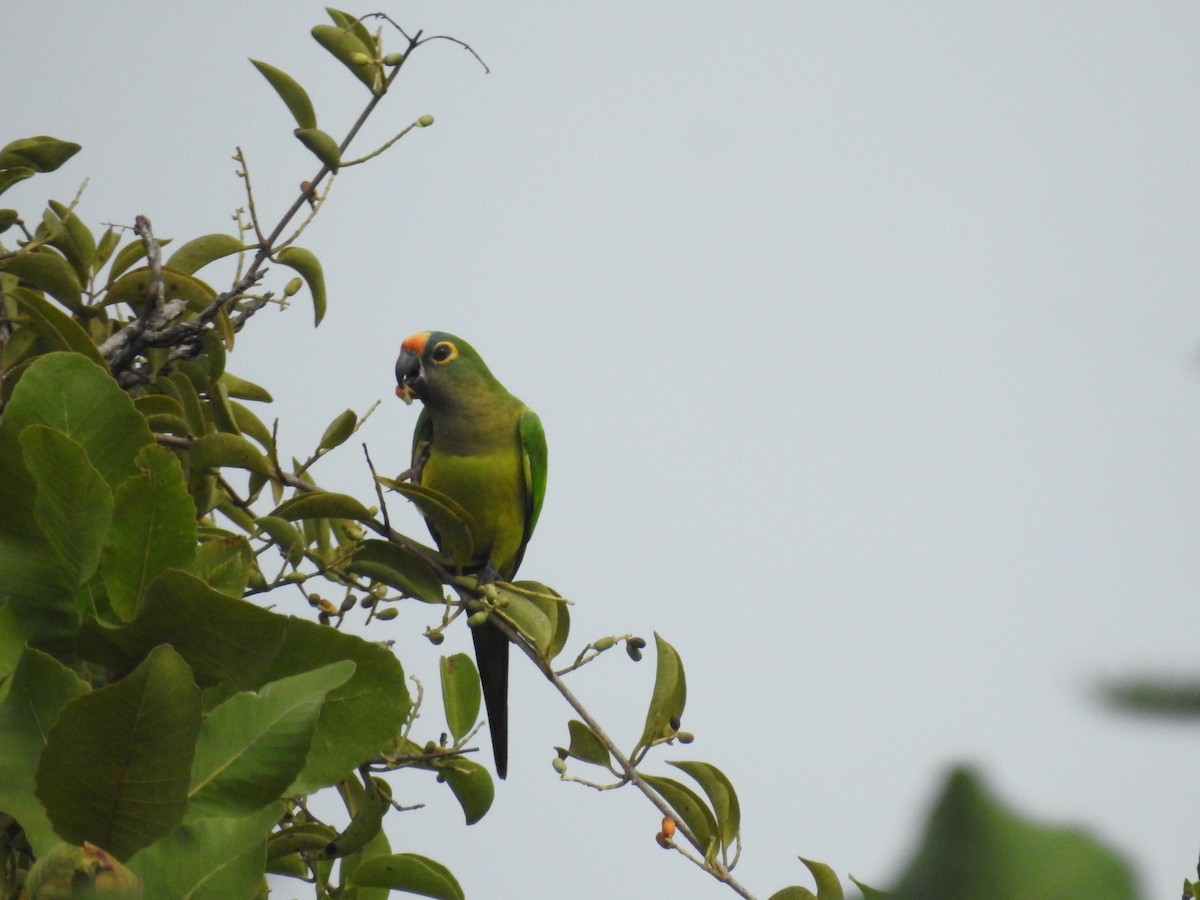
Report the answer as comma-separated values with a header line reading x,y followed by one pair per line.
x,y
533,458
422,432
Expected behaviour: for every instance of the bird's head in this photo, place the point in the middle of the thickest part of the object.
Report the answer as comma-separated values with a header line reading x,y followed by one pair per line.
x,y
433,364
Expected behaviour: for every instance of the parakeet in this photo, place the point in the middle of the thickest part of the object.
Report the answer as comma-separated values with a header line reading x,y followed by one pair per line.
x,y
487,451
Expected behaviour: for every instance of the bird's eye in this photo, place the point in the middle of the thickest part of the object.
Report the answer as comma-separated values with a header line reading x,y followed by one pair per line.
x,y
444,351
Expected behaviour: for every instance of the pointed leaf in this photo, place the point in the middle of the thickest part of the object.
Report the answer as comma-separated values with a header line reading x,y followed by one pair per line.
x,y
290,92
41,153
199,252
308,267
528,617
47,271
828,886
286,535
410,873
397,567
691,809
793,893
348,50
557,612
670,694
337,432
140,733
40,687
321,145
460,693
322,505
447,516
244,390
471,784
133,288
155,531
869,893
253,745
586,746
721,796
56,326
75,241
9,177
219,450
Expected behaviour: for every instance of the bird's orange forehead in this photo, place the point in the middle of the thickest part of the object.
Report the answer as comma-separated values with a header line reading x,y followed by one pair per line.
x,y
415,343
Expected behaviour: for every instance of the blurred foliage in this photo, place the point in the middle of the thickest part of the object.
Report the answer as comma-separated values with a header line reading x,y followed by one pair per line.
x,y
160,730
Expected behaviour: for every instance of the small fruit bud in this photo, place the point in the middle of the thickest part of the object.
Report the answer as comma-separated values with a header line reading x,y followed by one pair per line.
x,y
685,737
634,651
559,766
675,723
477,619
360,59
393,59
425,121
663,840
668,826
386,615
435,637
347,604
292,287
367,602
604,643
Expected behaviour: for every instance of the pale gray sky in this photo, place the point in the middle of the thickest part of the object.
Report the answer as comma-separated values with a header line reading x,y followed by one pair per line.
x,y
865,339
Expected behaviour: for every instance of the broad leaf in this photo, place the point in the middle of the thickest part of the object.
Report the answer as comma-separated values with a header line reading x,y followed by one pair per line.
x,y
586,746
399,568
39,689
322,505
670,694
130,788
49,271
290,91
691,809
308,267
460,693
41,153
253,745
225,564
410,873
199,252
721,796
471,783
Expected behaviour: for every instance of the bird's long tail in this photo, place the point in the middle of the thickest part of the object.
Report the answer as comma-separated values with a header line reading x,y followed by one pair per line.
x,y
491,655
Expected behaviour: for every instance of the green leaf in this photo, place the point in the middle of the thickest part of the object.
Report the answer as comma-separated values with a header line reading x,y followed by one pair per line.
x,y
133,288
449,518
471,783
199,252
974,847
410,873
63,332
828,886
721,797
244,390
40,687
555,611
68,392
691,809
229,640
155,531
73,506
215,858
869,893
345,46
397,567
253,745
586,746
670,694
9,177
39,592
286,535
460,693
308,267
528,617
75,241
129,254
321,145
219,450
354,26
140,734
793,893
12,644
105,247
41,153
290,92
322,505
249,424
48,271
337,432
8,217
224,563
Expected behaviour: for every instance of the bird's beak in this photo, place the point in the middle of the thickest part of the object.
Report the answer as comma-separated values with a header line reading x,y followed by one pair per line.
x,y
408,376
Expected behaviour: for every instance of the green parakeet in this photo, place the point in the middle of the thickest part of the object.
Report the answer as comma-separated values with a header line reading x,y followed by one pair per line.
x,y
487,451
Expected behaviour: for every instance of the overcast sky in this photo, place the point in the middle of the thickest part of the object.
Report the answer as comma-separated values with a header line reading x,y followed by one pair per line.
x,y
865,337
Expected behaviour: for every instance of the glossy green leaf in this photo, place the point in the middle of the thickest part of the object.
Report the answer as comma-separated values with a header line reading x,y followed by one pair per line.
x,y
399,568
460,693
586,746
322,505
41,153
285,535
449,518
974,847
155,531
48,271
73,506
217,858
63,332
9,177
219,450
410,873
199,252
339,430
691,809
346,47
224,639
321,145
670,694
40,687
225,563
828,885
253,745
308,267
140,733
721,797
290,92
470,783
